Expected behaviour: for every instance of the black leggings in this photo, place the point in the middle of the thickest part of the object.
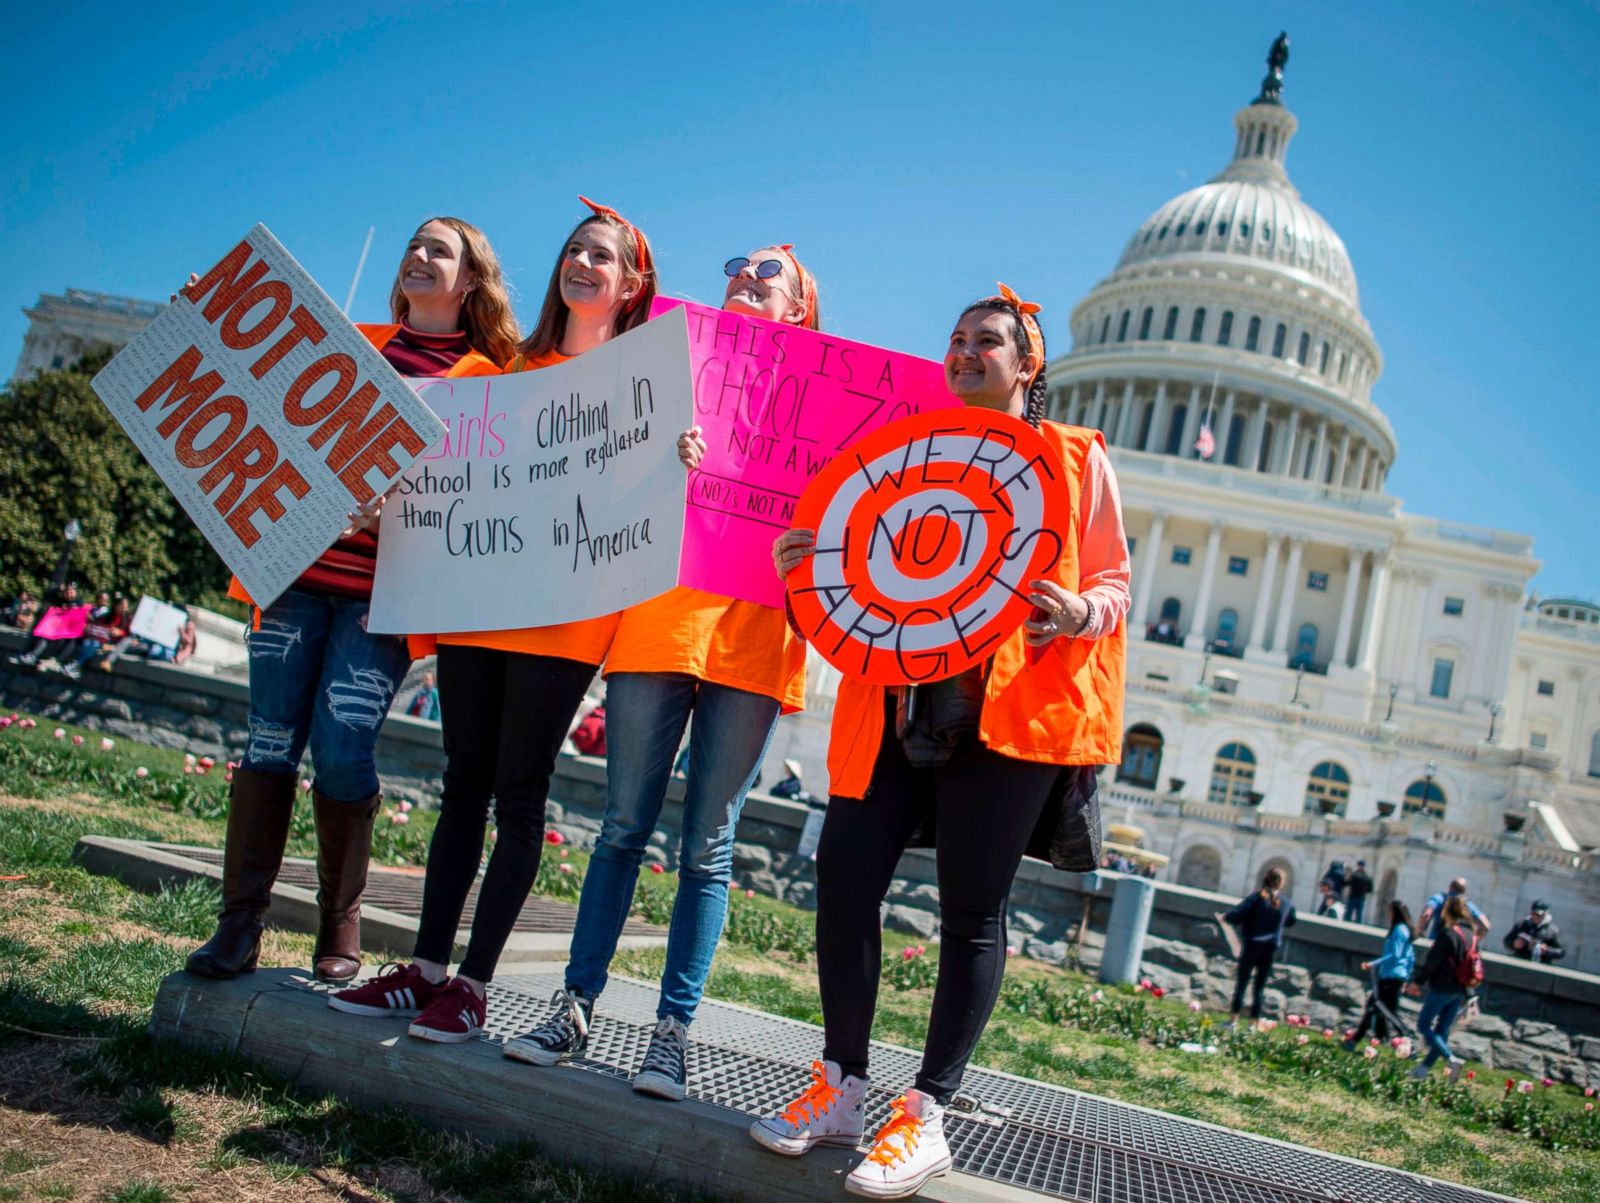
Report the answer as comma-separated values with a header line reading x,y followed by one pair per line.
x,y
984,806
1389,995
1255,959
504,716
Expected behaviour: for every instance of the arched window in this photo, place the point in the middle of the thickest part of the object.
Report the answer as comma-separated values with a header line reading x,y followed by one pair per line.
x,y
1122,326
1594,754
1180,415
1252,337
1200,868
1225,330
1222,229
1144,322
1423,797
1323,365
1305,646
1328,790
1141,756
1265,457
1280,336
1105,330
1199,228
1305,350
1171,330
1344,362
1197,325
1235,445
1227,629
1233,775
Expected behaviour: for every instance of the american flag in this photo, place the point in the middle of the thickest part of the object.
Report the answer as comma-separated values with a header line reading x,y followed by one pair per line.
x,y
1206,444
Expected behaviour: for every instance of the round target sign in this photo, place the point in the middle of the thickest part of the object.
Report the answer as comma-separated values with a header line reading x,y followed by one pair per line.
x,y
928,532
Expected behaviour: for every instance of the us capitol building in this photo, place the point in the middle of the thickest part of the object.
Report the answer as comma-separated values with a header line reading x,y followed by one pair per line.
x,y
1314,674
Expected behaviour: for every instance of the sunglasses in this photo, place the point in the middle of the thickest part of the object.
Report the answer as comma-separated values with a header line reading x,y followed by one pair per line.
x,y
766,269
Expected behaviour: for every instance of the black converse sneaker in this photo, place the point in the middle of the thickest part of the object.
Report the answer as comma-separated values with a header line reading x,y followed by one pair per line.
x,y
664,1072
559,1038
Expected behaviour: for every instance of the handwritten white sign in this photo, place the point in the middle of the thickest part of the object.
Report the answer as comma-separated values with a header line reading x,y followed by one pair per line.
x,y
265,411
557,494
158,621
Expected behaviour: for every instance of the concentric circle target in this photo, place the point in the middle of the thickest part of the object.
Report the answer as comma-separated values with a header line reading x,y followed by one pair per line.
x,y
928,532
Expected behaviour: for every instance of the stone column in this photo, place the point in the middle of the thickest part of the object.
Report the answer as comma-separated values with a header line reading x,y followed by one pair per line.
x,y
1127,428
1258,619
1362,460
1343,462
1253,436
1191,424
1347,608
1097,407
1070,417
1157,441
1224,427
1319,453
1291,587
1286,451
1140,618
1377,598
1196,636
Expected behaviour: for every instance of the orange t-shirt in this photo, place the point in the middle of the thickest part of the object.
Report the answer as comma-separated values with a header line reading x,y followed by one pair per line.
x,y
586,640
735,643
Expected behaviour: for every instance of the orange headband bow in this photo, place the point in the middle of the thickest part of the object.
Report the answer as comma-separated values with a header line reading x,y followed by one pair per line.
x,y
641,248
1030,324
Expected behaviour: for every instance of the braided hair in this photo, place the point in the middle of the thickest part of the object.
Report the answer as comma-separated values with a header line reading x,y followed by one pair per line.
x,y
1034,411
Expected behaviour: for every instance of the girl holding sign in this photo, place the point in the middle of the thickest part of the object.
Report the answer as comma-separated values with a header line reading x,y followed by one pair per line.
x,y
736,666
984,774
507,698
316,676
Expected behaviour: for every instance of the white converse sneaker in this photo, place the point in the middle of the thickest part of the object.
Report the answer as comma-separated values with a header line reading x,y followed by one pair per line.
x,y
909,1150
831,1111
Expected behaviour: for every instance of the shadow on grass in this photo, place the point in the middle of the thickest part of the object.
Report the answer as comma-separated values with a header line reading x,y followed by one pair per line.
x,y
107,1071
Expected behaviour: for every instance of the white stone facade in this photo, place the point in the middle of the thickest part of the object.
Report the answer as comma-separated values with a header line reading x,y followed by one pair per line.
x,y
63,329
1313,673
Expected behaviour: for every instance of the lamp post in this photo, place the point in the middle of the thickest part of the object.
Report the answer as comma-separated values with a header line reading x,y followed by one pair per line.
x,y
1205,661
1394,688
1299,675
1428,771
69,536
1496,709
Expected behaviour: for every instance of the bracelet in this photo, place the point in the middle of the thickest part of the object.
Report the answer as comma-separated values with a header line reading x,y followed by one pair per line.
x,y
1088,618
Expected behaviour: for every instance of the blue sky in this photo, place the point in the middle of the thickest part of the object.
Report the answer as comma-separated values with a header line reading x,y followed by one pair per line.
x,y
913,153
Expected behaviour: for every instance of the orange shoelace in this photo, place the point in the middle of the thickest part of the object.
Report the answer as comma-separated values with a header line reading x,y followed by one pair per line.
x,y
907,1127
814,1103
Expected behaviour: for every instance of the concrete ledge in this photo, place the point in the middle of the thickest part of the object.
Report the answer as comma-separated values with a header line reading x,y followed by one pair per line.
x,y
580,1116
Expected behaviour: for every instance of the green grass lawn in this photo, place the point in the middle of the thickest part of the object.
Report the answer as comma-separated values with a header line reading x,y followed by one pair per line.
x,y
81,958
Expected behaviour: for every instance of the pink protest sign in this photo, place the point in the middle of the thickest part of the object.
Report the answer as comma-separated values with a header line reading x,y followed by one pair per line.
x,y
63,622
777,403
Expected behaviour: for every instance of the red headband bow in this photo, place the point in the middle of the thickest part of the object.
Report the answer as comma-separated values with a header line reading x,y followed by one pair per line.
x,y
641,248
1030,324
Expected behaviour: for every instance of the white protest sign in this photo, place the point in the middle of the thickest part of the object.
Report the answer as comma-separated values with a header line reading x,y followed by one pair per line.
x,y
557,494
266,412
158,622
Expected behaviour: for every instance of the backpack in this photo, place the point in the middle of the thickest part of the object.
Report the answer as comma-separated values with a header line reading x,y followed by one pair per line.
x,y
1469,968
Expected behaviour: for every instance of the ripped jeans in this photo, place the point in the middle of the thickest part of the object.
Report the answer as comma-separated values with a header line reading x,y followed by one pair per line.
x,y
317,677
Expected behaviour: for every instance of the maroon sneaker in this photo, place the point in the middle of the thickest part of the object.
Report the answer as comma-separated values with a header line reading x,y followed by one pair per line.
x,y
397,990
455,1014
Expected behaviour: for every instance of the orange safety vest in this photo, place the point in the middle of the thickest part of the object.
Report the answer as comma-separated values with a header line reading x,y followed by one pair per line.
x,y
1061,704
473,363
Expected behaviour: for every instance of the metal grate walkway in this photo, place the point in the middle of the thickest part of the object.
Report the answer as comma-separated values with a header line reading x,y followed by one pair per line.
x,y
1060,1143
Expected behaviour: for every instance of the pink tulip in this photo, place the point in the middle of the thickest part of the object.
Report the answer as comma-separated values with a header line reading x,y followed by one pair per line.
x,y
400,817
554,837
749,893
658,868
206,762
188,769
1588,1092
228,776
1548,1082
1588,1106
77,741
908,954
1369,1052
1524,1087
305,785
1098,996
405,806
107,744
233,764
1327,1033
1302,1038
28,724
1194,1006
6,722
60,733
564,868
565,854
202,770
188,758
141,772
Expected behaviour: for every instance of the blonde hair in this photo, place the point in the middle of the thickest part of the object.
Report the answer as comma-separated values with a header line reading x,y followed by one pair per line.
x,y
486,317
551,327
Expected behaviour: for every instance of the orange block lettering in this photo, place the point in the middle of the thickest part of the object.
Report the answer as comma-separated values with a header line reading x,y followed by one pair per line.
x,y
263,499
300,414
303,327
179,386
275,291
380,454
227,281
190,456
251,458
350,419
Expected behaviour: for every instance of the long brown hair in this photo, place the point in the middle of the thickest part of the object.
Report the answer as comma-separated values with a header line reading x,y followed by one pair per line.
x,y
551,327
486,317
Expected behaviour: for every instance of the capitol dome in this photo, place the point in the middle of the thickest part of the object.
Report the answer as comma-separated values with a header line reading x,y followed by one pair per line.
x,y
1233,311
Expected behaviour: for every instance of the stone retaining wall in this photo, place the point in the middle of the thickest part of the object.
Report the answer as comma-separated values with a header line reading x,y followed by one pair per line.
x,y
1539,1020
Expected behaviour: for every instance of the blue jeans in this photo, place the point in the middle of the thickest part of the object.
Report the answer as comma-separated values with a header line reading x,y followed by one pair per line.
x,y
1434,1021
317,677
645,717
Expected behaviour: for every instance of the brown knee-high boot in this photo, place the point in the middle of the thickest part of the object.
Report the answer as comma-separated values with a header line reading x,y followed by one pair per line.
x,y
259,810
344,845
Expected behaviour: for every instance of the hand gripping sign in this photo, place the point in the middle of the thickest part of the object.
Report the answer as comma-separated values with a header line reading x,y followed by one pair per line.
x,y
928,532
